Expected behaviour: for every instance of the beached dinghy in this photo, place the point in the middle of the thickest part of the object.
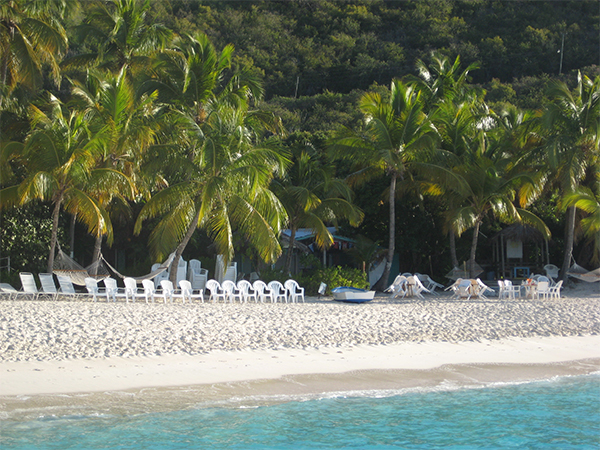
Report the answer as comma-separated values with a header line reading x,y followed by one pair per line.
x,y
352,294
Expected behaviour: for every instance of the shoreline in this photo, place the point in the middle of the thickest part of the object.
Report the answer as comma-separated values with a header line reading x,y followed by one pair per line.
x,y
223,367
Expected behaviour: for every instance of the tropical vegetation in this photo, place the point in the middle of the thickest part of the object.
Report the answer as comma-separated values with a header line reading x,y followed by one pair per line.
x,y
205,128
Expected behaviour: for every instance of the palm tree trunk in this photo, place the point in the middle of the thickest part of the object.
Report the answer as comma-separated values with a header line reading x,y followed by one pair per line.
x,y
474,249
181,248
290,252
569,240
72,234
97,249
382,284
453,256
54,236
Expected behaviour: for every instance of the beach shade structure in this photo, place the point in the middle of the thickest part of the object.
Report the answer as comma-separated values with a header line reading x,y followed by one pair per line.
x,y
294,291
263,291
591,276
66,286
28,284
188,291
463,272
233,293
48,286
278,291
169,291
7,289
248,291
216,291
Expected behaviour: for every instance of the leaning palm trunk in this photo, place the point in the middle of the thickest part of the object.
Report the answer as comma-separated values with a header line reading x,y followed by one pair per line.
x,y
382,284
474,249
180,249
569,240
97,251
54,236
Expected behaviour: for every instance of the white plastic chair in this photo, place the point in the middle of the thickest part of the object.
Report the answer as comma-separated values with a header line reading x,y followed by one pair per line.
x,y
263,291
399,288
462,289
416,286
48,286
278,291
512,291
149,290
551,271
543,290
216,291
188,291
233,293
169,292
112,290
131,290
555,290
91,284
428,282
482,288
66,286
197,276
161,276
248,291
29,286
294,291
7,289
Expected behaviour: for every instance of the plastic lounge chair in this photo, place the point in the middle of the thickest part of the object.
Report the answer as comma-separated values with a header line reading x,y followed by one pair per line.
x,y
278,291
91,284
399,288
29,286
149,290
7,289
188,291
248,291
294,291
483,288
511,291
551,271
66,286
131,290
216,291
233,293
48,286
415,287
112,290
263,291
169,291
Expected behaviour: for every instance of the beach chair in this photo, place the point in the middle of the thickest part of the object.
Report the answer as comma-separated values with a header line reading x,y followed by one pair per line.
x,y
263,291
483,288
415,287
248,291
399,287
7,289
233,293
278,291
131,289
551,271
91,285
428,282
463,289
112,290
555,291
216,291
169,292
66,286
149,290
197,276
543,290
294,291
188,291
48,286
28,284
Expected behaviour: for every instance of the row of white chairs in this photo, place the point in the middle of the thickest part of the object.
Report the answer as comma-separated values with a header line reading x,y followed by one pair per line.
x,y
244,291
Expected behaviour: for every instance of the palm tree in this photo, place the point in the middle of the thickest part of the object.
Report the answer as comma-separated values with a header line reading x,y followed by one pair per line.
x,y
61,169
121,37
311,197
571,124
220,187
585,200
396,133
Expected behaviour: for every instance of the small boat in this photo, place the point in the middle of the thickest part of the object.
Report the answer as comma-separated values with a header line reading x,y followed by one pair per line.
x,y
352,295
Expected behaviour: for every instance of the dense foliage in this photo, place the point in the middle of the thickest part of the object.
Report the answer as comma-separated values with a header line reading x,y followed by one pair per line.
x,y
214,125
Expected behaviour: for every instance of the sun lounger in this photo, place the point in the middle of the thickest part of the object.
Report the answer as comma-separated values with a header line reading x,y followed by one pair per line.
x,y
29,286
8,290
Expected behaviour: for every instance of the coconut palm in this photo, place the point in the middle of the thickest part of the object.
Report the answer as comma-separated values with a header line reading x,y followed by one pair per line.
x,y
571,124
396,134
120,36
220,187
313,197
585,200
61,169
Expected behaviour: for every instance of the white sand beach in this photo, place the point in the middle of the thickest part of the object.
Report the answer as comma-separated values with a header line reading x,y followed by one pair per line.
x,y
53,347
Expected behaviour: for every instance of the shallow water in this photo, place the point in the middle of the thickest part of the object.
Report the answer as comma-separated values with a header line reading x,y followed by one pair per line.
x,y
557,413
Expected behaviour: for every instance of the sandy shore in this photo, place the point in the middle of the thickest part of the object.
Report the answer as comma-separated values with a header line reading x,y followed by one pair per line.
x,y
69,346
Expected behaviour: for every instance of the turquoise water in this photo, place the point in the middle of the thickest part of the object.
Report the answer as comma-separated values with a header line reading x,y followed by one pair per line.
x,y
561,413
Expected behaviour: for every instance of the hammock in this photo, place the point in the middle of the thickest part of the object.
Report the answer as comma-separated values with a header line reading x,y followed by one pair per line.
x,y
160,269
67,266
576,271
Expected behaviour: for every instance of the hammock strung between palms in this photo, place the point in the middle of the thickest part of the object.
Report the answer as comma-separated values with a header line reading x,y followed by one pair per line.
x,y
65,265
591,276
160,269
